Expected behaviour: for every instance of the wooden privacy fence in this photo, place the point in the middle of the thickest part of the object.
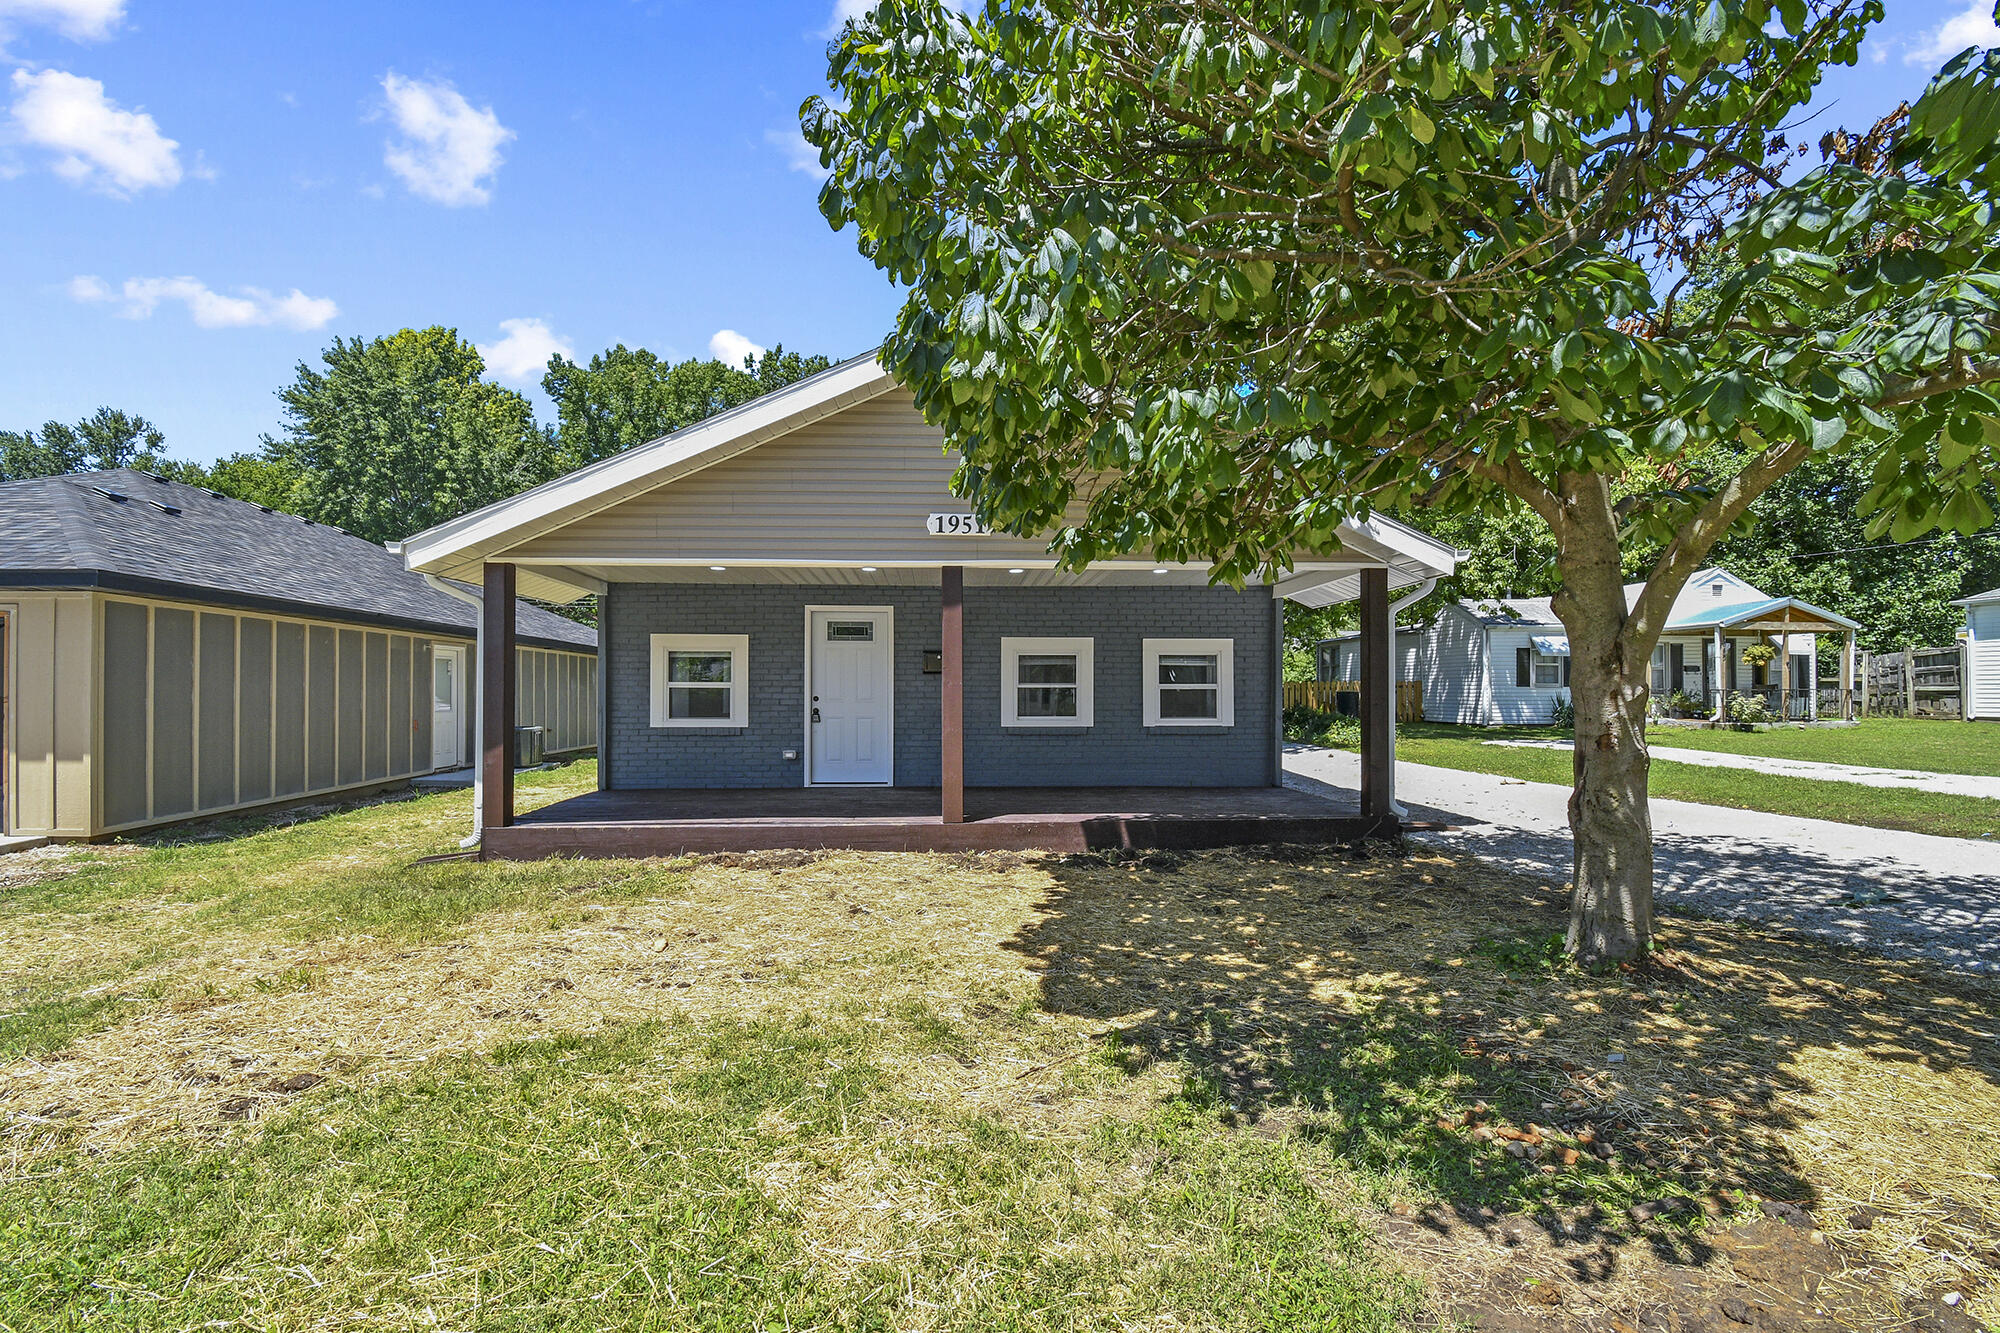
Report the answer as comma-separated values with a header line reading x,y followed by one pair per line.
x,y
1918,682
1324,695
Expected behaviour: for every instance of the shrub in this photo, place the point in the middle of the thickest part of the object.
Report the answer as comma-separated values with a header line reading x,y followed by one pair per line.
x,y
1563,713
1315,726
1746,711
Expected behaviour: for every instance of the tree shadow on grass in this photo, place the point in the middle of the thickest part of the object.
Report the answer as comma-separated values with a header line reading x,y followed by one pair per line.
x,y
1369,1004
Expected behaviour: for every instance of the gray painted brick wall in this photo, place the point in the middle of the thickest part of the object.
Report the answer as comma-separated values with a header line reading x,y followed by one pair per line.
x,y
1116,751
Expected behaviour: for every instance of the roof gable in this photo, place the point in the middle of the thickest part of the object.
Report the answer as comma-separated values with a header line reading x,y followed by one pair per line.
x,y
845,470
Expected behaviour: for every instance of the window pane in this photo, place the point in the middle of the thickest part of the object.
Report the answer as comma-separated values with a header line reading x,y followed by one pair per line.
x,y
712,667
1046,701
1182,703
1187,671
697,701
1048,669
850,631
1548,674
441,683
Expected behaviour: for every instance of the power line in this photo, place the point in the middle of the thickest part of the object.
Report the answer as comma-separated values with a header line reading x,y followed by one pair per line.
x,y
1902,546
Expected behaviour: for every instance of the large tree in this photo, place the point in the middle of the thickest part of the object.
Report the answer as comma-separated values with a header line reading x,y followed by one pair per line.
x,y
627,396
1238,270
393,435
107,438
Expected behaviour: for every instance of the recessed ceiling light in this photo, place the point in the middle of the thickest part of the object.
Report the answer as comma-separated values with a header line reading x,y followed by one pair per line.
x,y
1017,571
718,569
868,569
1161,570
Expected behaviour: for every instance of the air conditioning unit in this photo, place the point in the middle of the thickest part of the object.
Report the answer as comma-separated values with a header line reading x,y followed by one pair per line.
x,y
528,743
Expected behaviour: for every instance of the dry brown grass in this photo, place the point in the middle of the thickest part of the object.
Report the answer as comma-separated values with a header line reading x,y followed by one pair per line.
x,y
1748,1060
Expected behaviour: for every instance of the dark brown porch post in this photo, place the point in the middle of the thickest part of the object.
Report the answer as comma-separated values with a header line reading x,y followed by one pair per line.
x,y
952,693
1378,698
496,785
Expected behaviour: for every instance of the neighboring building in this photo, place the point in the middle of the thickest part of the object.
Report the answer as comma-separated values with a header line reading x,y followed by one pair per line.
x,y
169,653
791,597
1505,660
1981,670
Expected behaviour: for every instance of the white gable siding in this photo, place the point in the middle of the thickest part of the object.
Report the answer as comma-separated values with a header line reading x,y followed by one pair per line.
x,y
1983,648
1454,673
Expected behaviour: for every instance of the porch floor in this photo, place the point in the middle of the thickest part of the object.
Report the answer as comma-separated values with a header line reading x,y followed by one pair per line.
x,y
657,823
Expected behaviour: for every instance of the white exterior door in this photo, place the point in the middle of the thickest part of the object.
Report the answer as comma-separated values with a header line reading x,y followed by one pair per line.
x,y
851,696
448,708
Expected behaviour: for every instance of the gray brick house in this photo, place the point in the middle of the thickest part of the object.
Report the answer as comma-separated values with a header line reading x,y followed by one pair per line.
x,y
791,599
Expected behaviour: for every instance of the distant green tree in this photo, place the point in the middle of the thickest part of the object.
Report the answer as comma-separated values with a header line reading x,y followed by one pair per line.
x,y
393,435
626,396
258,478
108,438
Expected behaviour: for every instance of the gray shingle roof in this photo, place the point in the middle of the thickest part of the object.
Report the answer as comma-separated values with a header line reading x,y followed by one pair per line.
x,y
161,537
1511,610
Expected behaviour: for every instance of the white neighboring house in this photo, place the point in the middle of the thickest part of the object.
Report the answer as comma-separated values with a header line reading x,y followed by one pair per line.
x,y
1504,661
1982,656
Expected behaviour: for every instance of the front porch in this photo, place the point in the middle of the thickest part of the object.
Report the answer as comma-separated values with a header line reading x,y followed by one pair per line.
x,y
910,819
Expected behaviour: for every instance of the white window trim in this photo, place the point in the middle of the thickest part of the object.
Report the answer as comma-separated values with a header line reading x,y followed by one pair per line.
x,y
1011,652
1224,651
738,648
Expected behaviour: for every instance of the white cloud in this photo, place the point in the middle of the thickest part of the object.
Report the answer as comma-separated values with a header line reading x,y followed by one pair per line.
x,y
730,347
523,352
1973,26
798,154
450,148
84,20
248,307
96,142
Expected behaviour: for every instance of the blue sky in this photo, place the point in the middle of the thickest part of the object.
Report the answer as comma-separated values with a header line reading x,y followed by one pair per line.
x,y
196,196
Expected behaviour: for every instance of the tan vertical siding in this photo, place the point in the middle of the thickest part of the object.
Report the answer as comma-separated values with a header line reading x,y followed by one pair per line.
x,y
558,692
49,742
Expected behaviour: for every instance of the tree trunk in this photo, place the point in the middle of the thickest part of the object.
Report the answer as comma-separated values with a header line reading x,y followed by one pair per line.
x,y
1611,911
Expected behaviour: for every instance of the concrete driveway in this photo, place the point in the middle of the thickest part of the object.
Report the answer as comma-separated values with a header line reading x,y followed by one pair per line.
x,y
1900,894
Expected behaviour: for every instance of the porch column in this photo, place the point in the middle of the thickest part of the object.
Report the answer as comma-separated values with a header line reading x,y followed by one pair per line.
x,y
952,694
1847,677
1785,669
1378,698
1721,678
496,704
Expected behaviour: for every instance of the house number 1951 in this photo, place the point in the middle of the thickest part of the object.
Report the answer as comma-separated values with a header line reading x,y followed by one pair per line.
x,y
955,525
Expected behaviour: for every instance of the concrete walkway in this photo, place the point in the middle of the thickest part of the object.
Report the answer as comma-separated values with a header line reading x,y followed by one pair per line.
x,y
1901,894
1955,784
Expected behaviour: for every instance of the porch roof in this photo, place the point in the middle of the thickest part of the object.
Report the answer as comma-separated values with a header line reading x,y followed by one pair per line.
x,y
832,501
1773,615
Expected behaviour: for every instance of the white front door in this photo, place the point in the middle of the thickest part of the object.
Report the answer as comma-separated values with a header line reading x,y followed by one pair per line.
x,y
447,708
851,704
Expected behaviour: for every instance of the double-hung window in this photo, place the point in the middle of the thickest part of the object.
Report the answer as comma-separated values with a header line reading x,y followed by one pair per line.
x,y
1189,683
1047,683
701,680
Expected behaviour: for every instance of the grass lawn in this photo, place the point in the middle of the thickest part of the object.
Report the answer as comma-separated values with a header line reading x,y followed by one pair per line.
x,y
1951,815
1877,742
279,1077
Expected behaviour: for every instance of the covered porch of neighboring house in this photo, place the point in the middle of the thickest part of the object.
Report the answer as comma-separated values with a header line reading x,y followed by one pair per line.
x,y
1767,651
955,815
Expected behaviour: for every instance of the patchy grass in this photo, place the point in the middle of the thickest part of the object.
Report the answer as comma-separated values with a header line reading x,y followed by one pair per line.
x,y
921,1092
1948,815
1927,746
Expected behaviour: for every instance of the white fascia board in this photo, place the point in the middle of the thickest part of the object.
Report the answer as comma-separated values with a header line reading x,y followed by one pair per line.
x,y
582,492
